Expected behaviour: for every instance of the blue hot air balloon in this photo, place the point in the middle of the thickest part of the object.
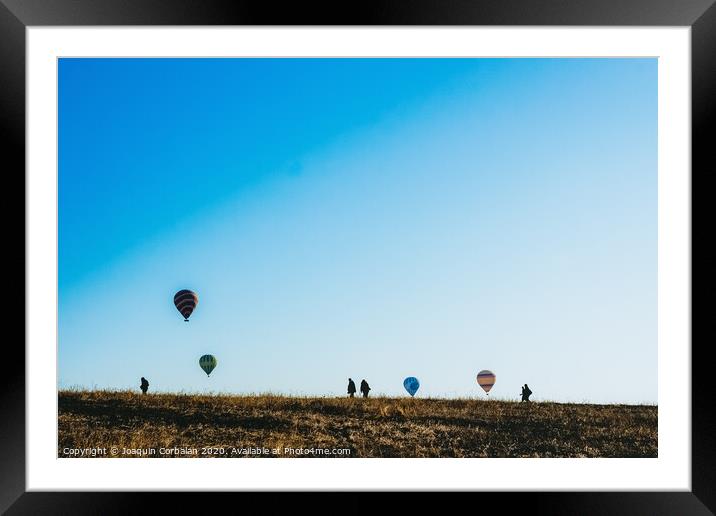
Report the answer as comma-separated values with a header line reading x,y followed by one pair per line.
x,y
411,385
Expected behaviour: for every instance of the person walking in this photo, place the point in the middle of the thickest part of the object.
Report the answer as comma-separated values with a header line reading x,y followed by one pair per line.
x,y
351,388
144,386
364,388
526,392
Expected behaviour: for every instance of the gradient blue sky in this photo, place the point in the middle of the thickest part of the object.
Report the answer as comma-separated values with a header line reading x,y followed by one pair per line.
x,y
371,218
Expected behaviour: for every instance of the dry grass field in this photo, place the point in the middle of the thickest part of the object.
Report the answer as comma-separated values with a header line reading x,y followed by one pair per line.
x,y
127,424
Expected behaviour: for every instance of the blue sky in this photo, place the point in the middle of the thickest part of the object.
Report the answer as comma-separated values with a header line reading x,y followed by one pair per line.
x,y
364,218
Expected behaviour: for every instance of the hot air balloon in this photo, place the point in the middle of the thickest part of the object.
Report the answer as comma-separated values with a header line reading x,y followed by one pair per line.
x,y
486,379
411,385
207,363
185,301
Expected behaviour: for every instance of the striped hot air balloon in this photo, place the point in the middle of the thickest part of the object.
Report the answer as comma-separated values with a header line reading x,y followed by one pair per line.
x,y
207,363
185,301
486,379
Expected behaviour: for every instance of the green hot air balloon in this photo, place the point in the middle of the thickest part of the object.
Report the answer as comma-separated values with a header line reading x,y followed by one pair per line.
x,y
207,363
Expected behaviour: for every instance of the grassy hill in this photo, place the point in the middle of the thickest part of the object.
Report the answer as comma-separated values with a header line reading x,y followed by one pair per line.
x,y
127,424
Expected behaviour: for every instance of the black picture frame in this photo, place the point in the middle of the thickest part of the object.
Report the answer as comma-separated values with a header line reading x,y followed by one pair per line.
x,y
17,15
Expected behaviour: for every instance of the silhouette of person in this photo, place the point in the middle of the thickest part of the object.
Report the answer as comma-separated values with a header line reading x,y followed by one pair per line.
x,y
144,386
526,393
351,388
364,388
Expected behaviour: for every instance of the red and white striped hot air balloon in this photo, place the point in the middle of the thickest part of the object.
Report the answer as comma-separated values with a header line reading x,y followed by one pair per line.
x,y
185,301
486,379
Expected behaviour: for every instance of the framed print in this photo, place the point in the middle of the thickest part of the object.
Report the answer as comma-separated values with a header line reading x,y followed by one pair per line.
x,y
436,247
